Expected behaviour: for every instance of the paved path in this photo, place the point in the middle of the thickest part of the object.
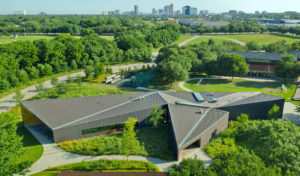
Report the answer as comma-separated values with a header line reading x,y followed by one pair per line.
x,y
187,41
55,156
233,40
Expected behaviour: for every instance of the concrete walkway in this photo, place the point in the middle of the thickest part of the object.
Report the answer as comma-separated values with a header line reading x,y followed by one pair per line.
x,y
53,155
187,41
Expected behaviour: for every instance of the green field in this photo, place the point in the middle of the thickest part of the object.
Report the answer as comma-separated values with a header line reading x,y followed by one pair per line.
x,y
205,39
111,38
262,38
240,85
9,39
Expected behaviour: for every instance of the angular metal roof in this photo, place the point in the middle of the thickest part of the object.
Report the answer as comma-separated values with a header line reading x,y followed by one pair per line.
x,y
188,120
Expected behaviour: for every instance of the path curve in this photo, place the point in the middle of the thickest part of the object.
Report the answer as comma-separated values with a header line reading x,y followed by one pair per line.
x,y
233,40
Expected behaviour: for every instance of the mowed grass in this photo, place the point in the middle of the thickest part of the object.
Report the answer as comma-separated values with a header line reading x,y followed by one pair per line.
x,y
111,38
9,39
206,39
261,38
241,85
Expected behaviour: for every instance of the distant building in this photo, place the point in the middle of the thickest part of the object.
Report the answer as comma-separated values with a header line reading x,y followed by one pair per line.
x,y
177,12
241,12
290,12
136,9
203,12
154,11
43,13
116,12
20,12
188,10
169,9
160,11
233,12
264,12
257,12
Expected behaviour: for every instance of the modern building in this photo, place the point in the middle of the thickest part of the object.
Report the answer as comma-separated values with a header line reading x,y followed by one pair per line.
x,y
194,117
188,10
20,12
160,11
202,22
233,12
136,9
169,9
154,11
116,12
262,64
257,12
203,12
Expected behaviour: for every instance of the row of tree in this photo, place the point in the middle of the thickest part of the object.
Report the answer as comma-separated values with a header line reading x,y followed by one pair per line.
x,y
276,47
175,63
23,61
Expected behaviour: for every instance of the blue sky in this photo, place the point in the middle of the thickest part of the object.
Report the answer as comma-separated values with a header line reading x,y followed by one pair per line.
x,y
97,6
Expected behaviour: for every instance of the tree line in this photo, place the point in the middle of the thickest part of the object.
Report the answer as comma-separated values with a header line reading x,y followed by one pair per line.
x,y
23,61
175,63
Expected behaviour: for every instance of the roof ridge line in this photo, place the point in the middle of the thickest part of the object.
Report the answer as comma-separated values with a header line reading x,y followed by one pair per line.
x,y
208,127
194,127
99,112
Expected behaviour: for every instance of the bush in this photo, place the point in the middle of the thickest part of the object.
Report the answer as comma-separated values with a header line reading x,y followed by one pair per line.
x,y
104,164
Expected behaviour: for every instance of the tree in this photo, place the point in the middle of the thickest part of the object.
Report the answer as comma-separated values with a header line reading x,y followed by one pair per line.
x,y
40,87
243,118
156,116
54,81
130,144
287,68
274,113
11,147
78,80
232,65
70,79
240,163
99,69
18,96
188,167
253,46
62,88
89,70
170,71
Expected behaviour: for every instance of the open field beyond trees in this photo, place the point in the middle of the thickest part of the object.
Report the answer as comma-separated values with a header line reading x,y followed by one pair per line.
x,y
261,38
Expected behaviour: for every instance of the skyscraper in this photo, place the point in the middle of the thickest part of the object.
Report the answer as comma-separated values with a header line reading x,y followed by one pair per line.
x,y
136,9
154,11
188,10
169,9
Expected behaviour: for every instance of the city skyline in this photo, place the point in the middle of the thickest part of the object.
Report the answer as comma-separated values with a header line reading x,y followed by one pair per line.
x,y
96,7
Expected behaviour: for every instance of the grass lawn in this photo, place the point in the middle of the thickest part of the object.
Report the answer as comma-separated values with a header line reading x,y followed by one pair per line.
x,y
241,85
8,39
111,38
47,173
261,38
205,39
